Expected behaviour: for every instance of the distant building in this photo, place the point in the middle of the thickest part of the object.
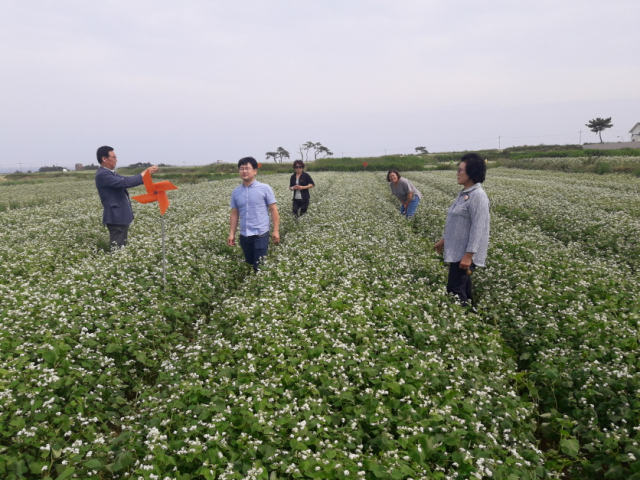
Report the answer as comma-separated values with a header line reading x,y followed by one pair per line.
x,y
635,133
79,166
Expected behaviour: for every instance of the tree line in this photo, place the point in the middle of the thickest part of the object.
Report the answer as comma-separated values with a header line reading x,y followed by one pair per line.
x,y
318,149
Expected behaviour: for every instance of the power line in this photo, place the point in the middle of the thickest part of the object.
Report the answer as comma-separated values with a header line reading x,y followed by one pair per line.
x,y
540,136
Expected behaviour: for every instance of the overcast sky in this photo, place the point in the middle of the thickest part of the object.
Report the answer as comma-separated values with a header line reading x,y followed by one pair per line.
x,y
192,82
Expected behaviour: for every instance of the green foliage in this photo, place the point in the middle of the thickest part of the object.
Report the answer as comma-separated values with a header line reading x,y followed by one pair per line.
x,y
562,290
341,358
602,167
447,166
578,163
50,169
343,354
348,164
538,150
622,152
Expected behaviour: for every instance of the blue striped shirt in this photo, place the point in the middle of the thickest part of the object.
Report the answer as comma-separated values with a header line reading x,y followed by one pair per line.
x,y
467,227
253,203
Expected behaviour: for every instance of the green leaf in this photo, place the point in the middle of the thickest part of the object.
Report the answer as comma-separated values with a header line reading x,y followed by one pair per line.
x,y
615,471
296,445
67,473
19,467
124,459
123,437
19,423
36,467
570,446
50,356
397,474
94,464
266,450
377,470
407,471
551,373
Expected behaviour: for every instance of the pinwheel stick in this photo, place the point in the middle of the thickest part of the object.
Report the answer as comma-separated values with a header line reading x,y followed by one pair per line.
x,y
156,192
164,258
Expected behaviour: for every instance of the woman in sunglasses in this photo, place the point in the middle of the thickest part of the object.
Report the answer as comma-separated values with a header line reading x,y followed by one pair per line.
x,y
300,183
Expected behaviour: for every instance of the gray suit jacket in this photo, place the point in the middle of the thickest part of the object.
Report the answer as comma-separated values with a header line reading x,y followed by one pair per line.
x,y
112,188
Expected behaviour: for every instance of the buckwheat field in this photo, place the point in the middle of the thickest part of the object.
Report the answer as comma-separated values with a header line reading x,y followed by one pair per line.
x,y
343,358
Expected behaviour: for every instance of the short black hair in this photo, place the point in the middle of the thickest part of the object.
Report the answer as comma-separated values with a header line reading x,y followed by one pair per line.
x,y
475,167
298,162
103,152
393,170
248,160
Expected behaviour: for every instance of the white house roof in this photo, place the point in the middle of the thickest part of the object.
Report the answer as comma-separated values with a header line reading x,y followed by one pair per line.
x,y
635,127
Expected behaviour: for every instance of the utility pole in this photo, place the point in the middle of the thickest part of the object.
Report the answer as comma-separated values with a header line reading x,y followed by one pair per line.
x,y
385,152
498,142
20,163
580,142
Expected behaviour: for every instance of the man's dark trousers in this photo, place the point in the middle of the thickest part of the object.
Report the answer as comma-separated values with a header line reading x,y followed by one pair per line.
x,y
118,234
255,247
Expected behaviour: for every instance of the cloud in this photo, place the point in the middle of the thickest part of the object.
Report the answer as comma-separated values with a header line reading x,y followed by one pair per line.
x,y
252,75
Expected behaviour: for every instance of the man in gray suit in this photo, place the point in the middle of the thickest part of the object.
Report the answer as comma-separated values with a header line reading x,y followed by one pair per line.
x,y
112,188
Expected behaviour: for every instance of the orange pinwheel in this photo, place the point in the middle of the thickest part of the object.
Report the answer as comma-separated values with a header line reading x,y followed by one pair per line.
x,y
155,192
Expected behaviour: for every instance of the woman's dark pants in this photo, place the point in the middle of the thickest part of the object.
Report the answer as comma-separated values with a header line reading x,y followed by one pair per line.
x,y
255,247
459,283
300,206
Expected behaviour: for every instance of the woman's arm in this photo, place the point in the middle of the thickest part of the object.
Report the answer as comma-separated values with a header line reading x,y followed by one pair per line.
x,y
466,261
309,182
438,247
409,198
